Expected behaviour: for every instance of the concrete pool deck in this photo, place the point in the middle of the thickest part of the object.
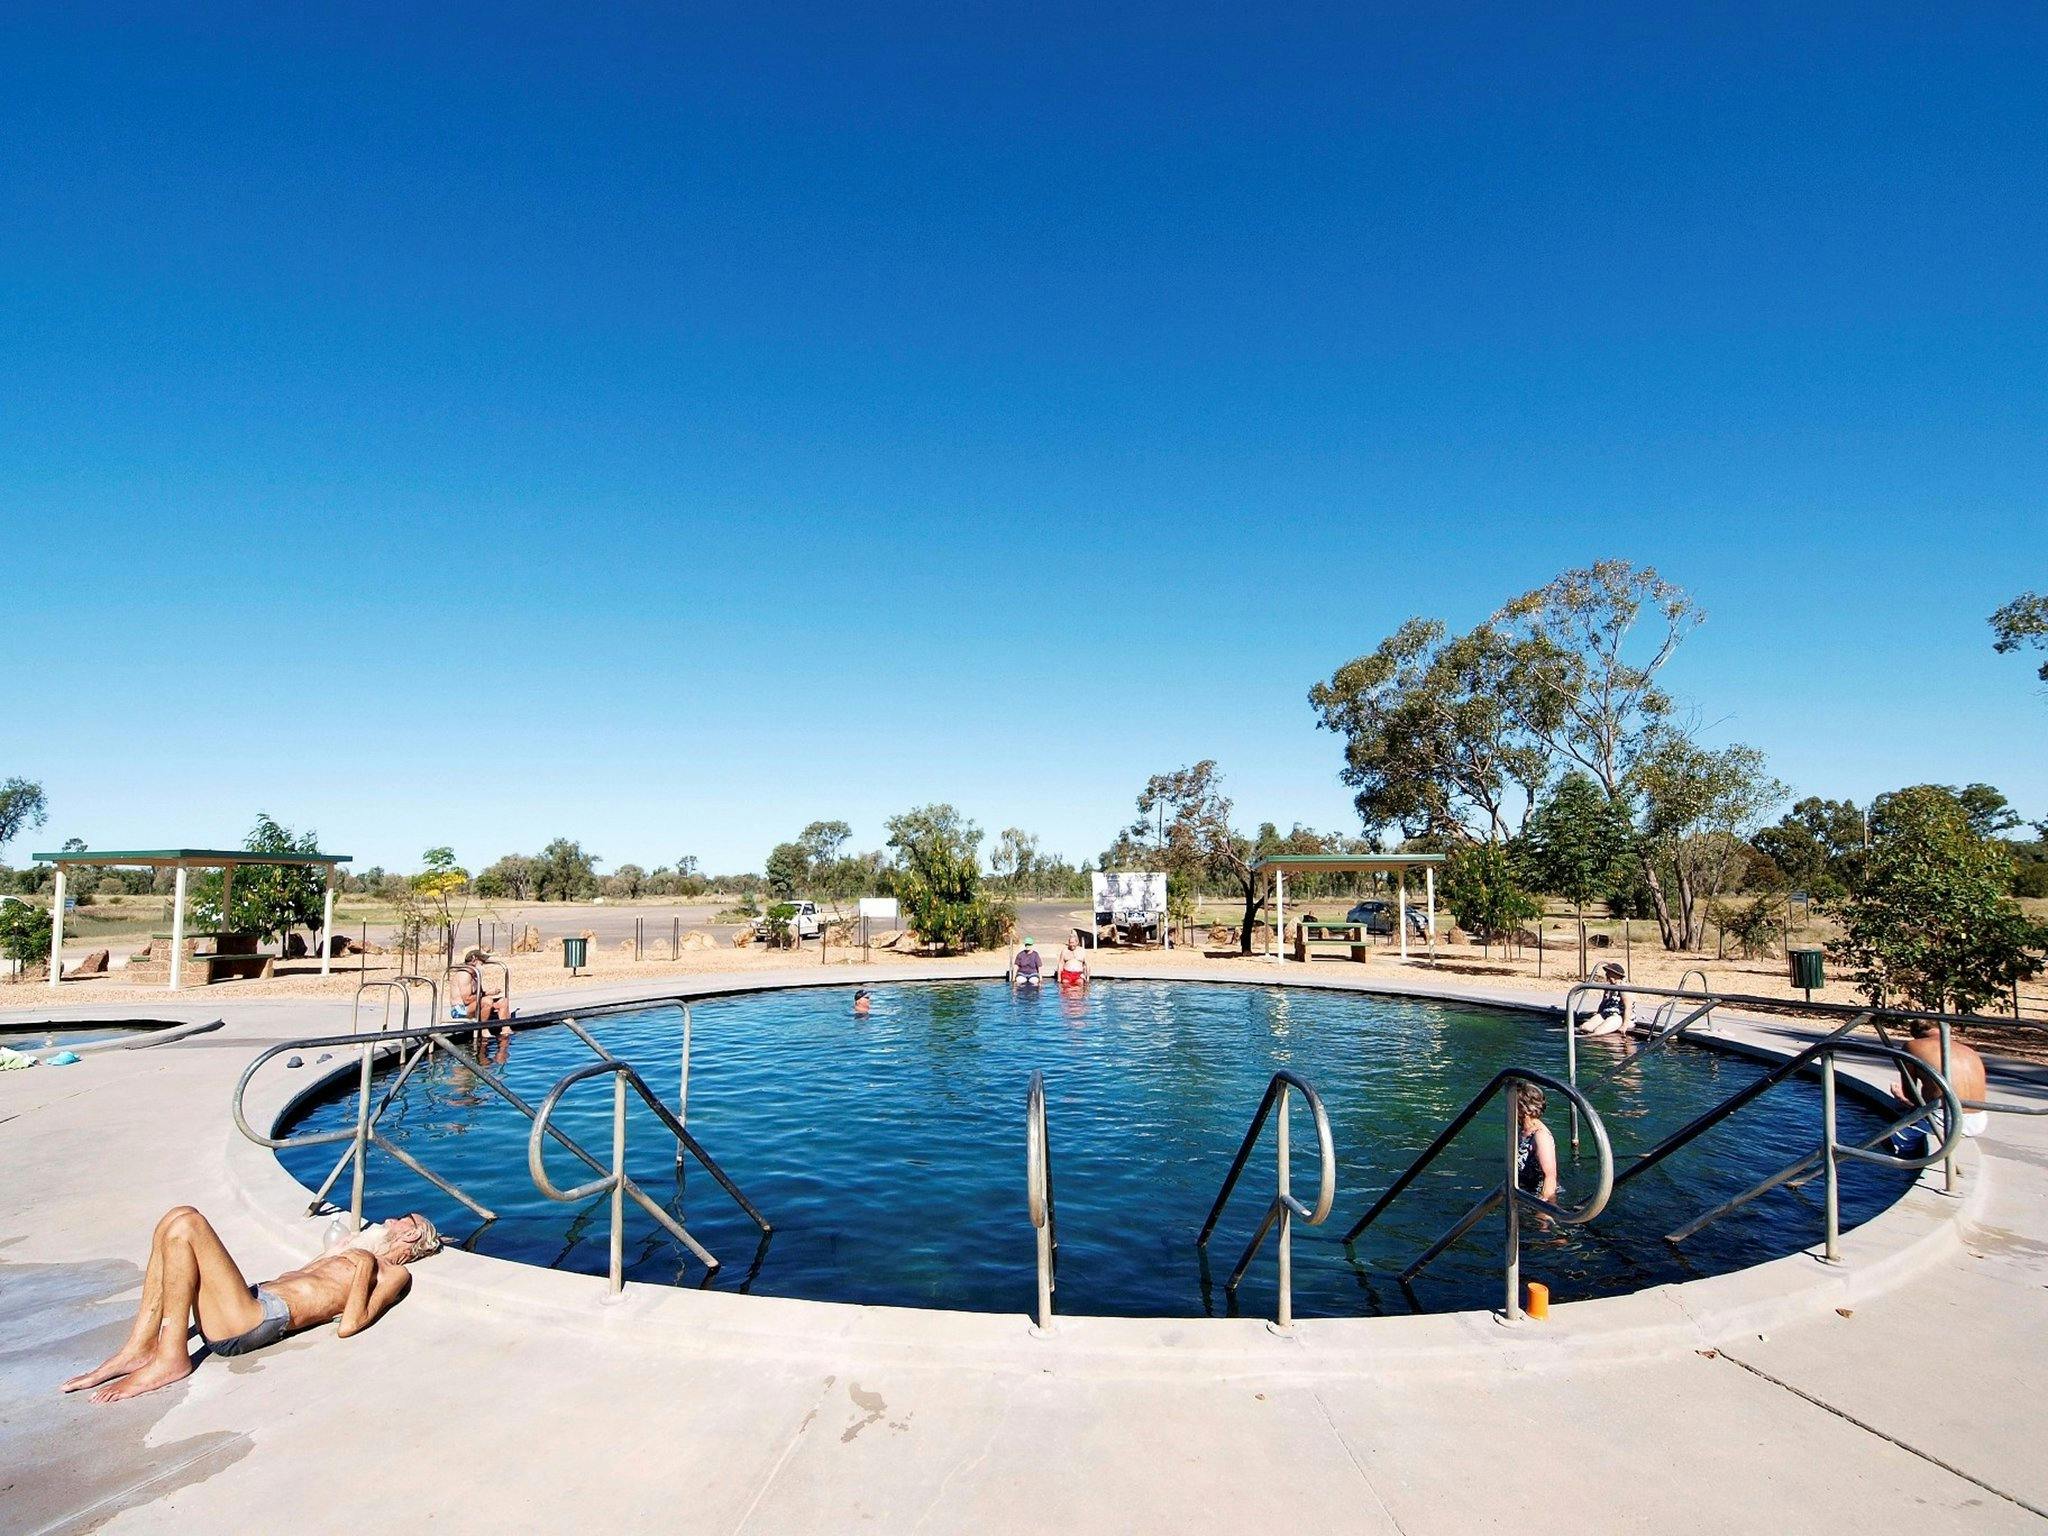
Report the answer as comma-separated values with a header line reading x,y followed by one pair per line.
x,y
499,1396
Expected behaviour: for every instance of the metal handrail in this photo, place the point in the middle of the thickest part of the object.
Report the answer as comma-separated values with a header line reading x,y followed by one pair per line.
x,y
616,1181
1038,1197
1854,1014
1285,1207
363,1134
387,987
1831,1150
1510,1191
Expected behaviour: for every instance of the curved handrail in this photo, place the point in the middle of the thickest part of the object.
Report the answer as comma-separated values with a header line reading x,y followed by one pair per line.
x,y
363,1134
1831,1150
1509,1191
1284,1207
1038,1196
616,1181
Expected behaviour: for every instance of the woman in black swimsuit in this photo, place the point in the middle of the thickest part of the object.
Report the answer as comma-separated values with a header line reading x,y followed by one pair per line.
x,y
1536,1148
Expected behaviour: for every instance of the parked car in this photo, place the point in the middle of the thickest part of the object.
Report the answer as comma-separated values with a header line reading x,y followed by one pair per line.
x,y
1378,918
806,924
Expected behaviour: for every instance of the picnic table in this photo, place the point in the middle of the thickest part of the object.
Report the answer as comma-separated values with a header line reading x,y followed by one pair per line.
x,y
1352,934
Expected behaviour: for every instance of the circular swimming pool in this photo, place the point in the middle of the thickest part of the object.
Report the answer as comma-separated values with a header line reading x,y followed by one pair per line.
x,y
888,1151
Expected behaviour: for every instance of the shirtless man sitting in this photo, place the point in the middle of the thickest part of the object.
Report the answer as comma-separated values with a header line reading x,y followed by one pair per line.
x,y
191,1275
1965,1075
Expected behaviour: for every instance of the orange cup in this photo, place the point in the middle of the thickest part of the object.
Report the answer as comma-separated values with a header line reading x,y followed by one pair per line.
x,y
1538,1305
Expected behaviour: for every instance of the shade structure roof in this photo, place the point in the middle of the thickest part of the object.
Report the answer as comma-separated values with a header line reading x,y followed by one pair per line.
x,y
1324,863
167,858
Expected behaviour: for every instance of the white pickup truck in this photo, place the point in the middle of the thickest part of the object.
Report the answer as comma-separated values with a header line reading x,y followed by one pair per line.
x,y
806,924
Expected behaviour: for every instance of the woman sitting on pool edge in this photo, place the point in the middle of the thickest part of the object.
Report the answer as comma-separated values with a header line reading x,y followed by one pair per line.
x,y
1612,1017
1073,964
1535,1148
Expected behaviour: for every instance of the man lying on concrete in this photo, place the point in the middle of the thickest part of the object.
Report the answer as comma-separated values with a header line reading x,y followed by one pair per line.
x,y
192,1276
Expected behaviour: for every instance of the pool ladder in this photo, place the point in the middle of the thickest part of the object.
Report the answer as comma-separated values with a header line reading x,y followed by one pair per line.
x,y
1038,1197
1509,1192
1284,1207
411,1046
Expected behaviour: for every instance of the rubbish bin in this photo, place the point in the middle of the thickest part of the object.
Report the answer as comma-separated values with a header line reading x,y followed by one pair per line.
x,y
575,953
1806,971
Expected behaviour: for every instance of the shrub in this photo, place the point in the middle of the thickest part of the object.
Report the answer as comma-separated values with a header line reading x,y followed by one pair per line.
x,y
1757,928
24,932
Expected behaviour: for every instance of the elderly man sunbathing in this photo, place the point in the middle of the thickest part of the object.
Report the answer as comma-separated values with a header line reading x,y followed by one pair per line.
x,y
192,1276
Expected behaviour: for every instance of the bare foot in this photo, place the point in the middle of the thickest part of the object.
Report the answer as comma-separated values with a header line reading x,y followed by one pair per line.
x,y
114,1365
160,1372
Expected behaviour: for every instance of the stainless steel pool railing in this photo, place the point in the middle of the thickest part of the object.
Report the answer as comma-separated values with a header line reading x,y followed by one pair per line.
x,y
614,1180
1828,1155
363,1134
1855,1016
401,1042
1038,1198
1284,1207
391,990
1509,1192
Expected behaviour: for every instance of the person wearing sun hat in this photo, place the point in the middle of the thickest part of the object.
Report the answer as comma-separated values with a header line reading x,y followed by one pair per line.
x,y
1028,964
1612,1018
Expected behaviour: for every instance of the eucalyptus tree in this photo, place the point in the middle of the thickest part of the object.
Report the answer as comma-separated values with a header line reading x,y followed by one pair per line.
x,y
1432,741
2022,624
1585,652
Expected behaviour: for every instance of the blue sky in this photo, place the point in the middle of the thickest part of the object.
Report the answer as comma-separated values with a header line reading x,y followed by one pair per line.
x,y
667,429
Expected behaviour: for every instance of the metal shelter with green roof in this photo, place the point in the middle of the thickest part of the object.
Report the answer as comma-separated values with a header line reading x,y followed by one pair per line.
x,y
226,860
1277,865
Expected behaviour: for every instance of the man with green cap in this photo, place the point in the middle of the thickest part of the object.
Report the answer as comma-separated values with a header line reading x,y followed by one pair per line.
x,y
1026,966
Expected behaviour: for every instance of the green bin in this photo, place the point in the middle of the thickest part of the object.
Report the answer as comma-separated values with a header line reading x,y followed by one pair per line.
x,y
1806,971
576,953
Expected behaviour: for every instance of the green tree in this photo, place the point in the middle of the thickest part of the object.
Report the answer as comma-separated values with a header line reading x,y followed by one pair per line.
x,y
787,871
1586,651
1483,893
938,857
515,877
1430,742
1817,847
1014,857
1699,807
269,900
24,932
1934,923
21,806
2022,624
564,872
1574,846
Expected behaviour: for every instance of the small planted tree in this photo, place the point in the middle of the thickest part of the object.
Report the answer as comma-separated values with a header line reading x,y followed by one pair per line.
x,y
1483,893
24,934
269,900
1934,923
938,879
1575,846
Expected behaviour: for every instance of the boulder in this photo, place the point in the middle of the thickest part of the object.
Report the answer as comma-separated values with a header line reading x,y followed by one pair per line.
x,y
94,964
294,946
696,938
744,937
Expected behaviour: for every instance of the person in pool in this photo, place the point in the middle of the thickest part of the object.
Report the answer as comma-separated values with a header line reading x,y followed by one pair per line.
x,y
191,1275
862,1003
1535,1147
1028,964
1612,1015
1073,965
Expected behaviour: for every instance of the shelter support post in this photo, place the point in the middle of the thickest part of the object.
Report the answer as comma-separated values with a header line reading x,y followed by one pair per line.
x,y
178,928
1429,884
327,924
57,929
1279,914
1401,908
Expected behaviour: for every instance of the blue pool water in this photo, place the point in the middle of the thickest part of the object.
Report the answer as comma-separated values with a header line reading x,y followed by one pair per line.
x,y
888,1152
